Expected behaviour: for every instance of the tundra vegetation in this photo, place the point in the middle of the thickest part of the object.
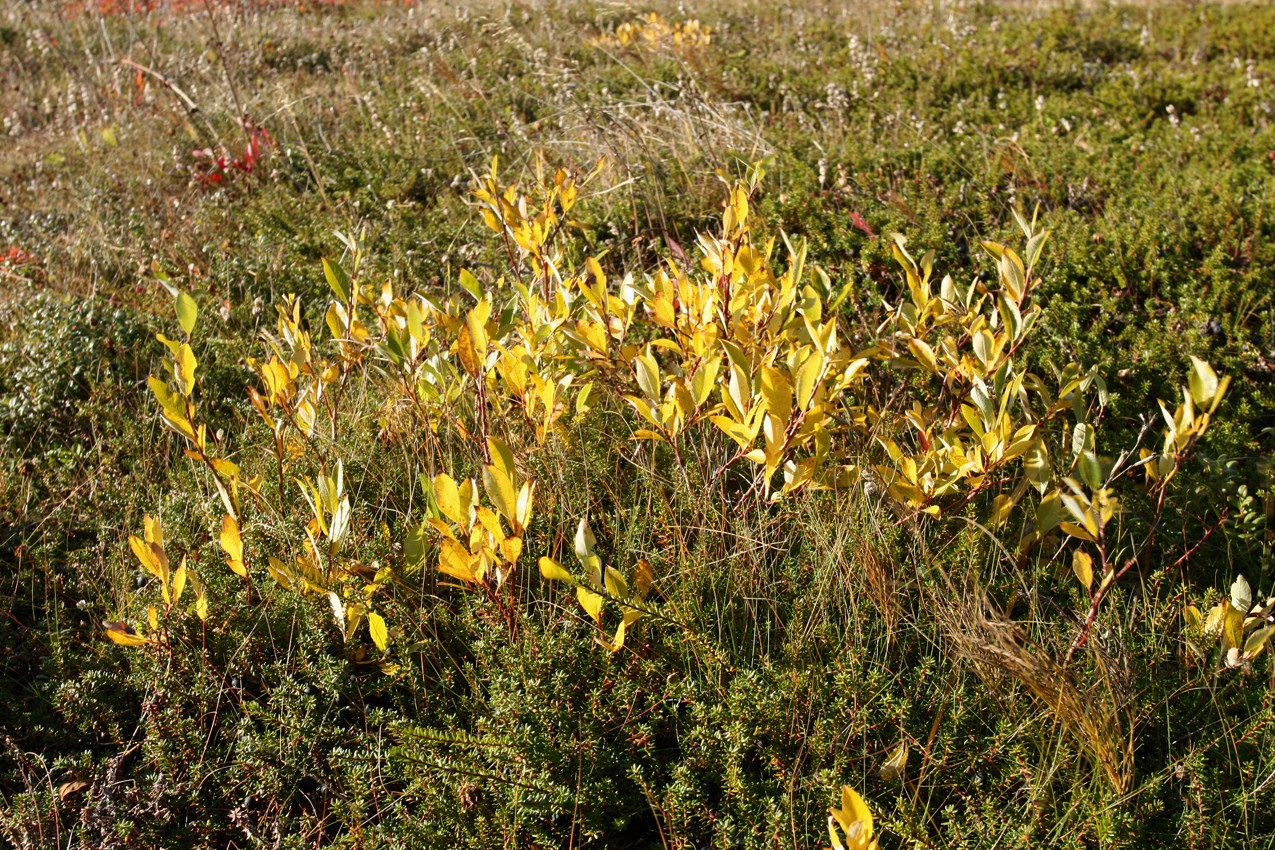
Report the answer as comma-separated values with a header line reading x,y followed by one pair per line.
x,y
571,425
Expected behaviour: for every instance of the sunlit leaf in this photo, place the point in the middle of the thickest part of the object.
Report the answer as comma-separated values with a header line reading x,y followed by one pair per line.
x,y
179,581
551,570
1082,566
376,627
232,545
187,312
1257,640
447,494
184,365
893,766
337,279
124,634
591,602
1241,595
1202,382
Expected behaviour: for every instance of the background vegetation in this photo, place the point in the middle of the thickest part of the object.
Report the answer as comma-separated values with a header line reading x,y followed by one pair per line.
x,y
802,641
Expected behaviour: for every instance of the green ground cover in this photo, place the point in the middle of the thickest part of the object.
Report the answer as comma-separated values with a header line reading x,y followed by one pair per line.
x,y
787,646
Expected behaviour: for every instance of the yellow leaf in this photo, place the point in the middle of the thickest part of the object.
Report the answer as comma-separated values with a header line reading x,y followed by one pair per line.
x,y
523,514
1077,531
924,354
489,523
447,494
179,581
1082,566
201,597
501,491
617,643
648,375
232,545
1002,506
1232,628
171,403
455,560
184,364
280,573
180,424
154,530
152,617
278,381
502,457
855,821
1193,617
594,334
808,378
476,324
1241,595
615,584
187,312
124,634
739,204
551,570
1217,616
591,602
1257,640
225,468
511,549
146,555
376,626
1203,382
777,391
469,358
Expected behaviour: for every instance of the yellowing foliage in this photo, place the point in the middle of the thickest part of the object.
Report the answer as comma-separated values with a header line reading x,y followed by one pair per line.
x,y
735,361
654,31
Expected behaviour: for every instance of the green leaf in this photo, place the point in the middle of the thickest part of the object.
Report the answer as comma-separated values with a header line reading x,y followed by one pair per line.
x,y
1082,439
1092,471
414,548
470,284
338,280
187,312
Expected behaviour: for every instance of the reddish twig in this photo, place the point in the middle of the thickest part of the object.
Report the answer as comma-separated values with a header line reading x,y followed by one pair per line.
x,y
1129,564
